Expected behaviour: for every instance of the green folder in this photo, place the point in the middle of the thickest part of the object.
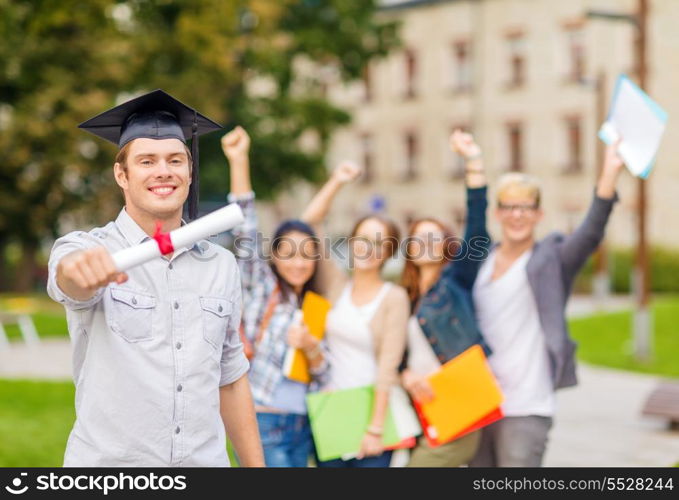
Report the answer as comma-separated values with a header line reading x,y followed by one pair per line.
x,y
339,420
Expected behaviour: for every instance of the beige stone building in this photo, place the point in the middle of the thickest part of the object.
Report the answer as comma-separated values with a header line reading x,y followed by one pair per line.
x,y
520,74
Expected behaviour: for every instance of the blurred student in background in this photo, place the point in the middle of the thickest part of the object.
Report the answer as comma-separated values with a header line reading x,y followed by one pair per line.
x,y
272,293
366,328
520,297
439,274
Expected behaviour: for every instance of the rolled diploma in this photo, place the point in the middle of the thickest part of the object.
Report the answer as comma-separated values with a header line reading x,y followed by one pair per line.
x,y
216,222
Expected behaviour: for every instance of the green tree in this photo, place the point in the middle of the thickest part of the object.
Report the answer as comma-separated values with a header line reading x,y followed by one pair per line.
x,y
62,62
213,51
59,63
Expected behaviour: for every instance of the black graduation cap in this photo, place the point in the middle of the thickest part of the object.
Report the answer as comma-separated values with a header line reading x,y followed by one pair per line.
x,y
156,115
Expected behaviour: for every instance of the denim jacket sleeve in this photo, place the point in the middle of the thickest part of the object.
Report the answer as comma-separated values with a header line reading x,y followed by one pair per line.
x,y
476,243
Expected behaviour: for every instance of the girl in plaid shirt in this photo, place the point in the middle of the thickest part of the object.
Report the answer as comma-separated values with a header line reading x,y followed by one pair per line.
x,y
273,289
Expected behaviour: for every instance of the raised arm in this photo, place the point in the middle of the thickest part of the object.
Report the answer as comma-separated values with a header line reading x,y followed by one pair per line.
x,y
248,248
236,147
464,144
319,206
330,274
476,242
579,245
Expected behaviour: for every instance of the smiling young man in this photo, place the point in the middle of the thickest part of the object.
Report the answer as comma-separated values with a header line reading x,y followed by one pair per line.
x,y
158,364
520,298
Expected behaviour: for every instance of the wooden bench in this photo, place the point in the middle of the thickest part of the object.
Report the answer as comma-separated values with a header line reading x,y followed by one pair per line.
x,y
664,402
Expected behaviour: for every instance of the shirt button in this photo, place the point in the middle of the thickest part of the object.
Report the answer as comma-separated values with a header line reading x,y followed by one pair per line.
x,y
179,388
134,300
179,345
176,305
177,430
220,308
170,266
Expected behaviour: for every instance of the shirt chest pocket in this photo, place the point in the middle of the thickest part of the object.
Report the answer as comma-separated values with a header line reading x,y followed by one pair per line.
x,y
131,314
216,315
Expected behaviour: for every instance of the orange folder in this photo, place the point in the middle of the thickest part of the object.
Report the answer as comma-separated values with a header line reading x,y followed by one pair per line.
x,y
314,311
466,397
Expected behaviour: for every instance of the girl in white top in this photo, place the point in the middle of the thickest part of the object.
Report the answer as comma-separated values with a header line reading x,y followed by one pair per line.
x,y
366,328
350,343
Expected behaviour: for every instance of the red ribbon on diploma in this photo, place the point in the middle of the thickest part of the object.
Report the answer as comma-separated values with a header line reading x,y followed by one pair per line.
x,y
163,239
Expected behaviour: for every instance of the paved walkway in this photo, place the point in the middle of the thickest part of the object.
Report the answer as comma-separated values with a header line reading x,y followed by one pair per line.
x,y
51,359
598,423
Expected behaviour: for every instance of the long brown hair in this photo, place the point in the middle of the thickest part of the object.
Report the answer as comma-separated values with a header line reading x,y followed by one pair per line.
x,y
410,279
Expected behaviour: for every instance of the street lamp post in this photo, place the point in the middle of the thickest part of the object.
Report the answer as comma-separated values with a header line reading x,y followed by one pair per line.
x,y
641,279
601,282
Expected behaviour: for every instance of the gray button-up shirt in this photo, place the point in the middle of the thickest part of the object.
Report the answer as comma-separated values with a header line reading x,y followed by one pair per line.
x,y
150,355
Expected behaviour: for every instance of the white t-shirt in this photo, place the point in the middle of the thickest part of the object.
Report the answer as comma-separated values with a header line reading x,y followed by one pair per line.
x,y
421,357
350,342
509,320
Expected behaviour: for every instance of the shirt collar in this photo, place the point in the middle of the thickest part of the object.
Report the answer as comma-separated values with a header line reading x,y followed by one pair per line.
x,y
135,235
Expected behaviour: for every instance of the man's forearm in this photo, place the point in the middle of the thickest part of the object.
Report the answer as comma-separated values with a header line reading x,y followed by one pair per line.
x,y
238,414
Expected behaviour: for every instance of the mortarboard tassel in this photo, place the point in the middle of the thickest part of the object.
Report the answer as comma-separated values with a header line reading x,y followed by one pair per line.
x,y
193,192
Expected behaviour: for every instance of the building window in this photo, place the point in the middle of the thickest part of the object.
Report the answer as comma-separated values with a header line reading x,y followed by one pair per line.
x,y
462,78
576,53
516,47
573,132
515,144
410,157
410,62
367,158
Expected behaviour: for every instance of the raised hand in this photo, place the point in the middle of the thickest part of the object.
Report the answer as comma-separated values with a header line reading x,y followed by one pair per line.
x,y
346,172
463,144
236,144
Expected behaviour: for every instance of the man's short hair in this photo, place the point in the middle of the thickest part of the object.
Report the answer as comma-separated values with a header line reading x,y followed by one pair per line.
x,y
520,183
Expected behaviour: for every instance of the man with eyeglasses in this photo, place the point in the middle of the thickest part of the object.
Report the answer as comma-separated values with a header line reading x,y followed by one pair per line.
x,y
520,298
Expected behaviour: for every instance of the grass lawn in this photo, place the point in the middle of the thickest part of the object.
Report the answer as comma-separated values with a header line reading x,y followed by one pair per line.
x,y
35,420
606,339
